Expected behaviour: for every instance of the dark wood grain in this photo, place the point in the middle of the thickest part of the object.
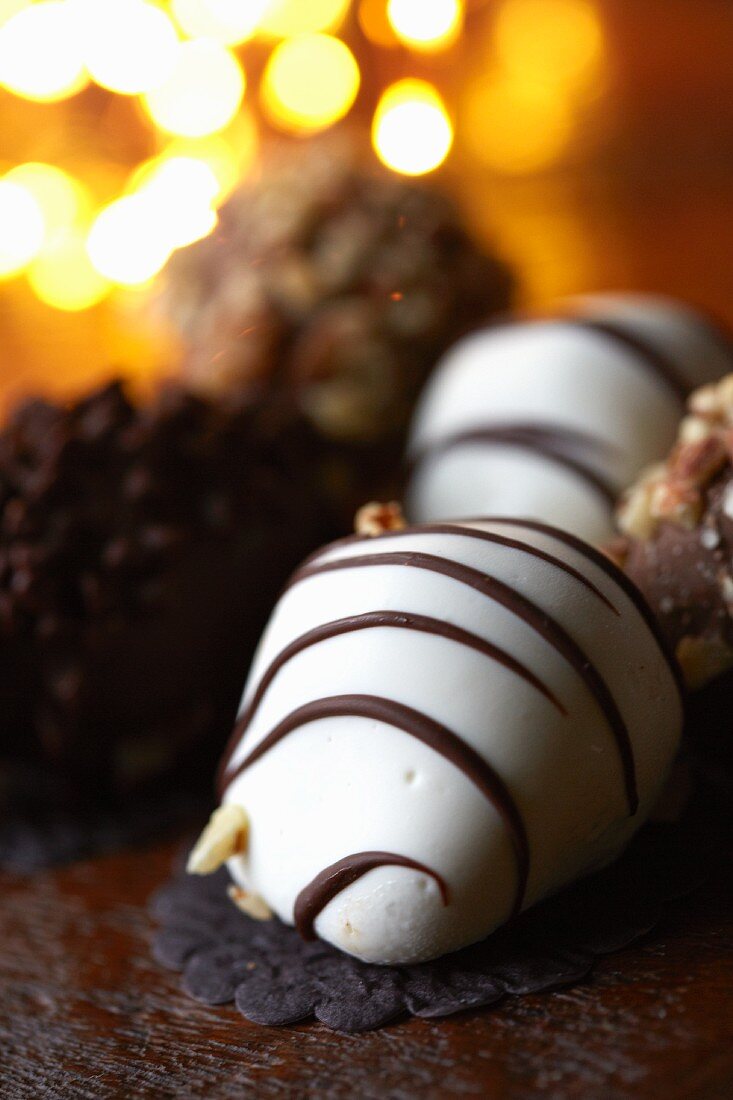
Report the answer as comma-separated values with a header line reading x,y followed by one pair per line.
x,y
85,1012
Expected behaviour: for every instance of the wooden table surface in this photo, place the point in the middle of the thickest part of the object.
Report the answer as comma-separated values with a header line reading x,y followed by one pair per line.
x,y
85,1012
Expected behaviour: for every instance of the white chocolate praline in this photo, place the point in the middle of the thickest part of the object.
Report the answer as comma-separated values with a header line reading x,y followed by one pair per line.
x,y
340,785
557,376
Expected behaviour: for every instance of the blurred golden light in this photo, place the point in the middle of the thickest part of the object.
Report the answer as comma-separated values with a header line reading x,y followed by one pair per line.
x,y
202,94
62,276
62,199
426,24
411,130
374,23
310,82
129,46
205,167
284,18
180,192
21,227
12,7
125,243
515,126
555,41
40,52
228,21
229,155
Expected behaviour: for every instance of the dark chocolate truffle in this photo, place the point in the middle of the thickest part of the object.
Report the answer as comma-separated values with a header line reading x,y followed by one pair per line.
x,y
141,547
341,283
678,527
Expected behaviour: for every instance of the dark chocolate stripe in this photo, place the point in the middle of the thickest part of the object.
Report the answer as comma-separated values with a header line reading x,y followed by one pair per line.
x,y
314,897
655,361
617,575
458,528
542,623
431,733
400,619
564,446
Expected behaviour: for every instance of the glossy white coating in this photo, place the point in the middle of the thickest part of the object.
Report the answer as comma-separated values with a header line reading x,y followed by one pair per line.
x,y
558,376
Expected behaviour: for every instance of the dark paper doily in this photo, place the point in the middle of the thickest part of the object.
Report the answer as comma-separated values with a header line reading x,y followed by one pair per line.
x,y
275,978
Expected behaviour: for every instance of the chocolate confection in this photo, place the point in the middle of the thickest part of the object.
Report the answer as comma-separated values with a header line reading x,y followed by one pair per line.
x,y
678,527
433,709
551,419
140,549
338,282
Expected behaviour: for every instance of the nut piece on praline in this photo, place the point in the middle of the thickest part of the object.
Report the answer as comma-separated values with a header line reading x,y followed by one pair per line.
x,y
254,905
375,518
224,836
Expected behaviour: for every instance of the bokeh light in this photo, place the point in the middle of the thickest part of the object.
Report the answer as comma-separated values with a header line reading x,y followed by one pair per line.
x,y
540,63
9,8
228,21
125,243
129,46
22,228
516,127
63,276
559,42
310,82
411,129
180,192
62,199
203,92
426,24
230,154
285,18
41,54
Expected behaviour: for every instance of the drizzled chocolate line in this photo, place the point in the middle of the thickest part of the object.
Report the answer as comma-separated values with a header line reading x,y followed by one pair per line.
x,y
624,582
431,733
400,619
465,532
314,897
653,359
542,623
564,446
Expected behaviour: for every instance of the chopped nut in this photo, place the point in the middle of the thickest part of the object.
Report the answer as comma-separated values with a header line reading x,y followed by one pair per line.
x,y
706,402
715,401
254,905
676,503
224,836
697,463
702,659
694,429
634,513
375,518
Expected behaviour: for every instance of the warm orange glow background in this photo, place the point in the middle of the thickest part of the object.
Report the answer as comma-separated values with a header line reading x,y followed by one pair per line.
x,y
591,139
